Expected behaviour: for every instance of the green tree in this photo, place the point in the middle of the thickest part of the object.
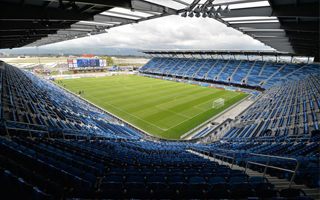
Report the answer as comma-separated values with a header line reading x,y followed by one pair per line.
x,y
109,60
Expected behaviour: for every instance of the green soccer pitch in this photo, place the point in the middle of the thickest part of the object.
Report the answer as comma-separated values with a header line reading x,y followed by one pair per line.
x,y
162,108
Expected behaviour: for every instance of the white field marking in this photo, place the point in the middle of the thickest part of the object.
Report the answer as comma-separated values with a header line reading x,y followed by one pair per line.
x,y
129,115
175,98
160,106
179,114
163,94
187,120
137,117
121,99
195,116
175,113
116,93
163,129
203,110
104,110
220,117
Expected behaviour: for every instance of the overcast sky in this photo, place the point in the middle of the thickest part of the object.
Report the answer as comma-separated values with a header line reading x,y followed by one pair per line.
x,y
172,32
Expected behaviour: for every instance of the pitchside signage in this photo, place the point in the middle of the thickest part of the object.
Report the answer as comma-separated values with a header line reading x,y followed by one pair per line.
x,y
84,63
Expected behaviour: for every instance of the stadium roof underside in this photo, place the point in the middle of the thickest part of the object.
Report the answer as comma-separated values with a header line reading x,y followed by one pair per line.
x,y
40,22
285,25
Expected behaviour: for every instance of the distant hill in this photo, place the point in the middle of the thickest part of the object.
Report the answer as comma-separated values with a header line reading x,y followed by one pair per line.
x,y
73,51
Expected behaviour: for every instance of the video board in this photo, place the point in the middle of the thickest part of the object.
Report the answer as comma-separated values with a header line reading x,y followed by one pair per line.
x,y
86,63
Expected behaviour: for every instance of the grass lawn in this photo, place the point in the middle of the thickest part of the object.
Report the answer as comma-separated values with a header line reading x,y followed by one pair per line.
x,y
162,108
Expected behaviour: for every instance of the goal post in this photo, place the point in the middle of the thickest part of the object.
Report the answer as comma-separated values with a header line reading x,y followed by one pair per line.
x,y
218,103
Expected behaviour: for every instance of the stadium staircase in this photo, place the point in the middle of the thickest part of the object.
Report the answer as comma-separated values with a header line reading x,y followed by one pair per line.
x,y
203,72
279,183
200,68
223,68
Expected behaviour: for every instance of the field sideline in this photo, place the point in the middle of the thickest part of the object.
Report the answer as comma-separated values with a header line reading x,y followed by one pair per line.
x,y
162,108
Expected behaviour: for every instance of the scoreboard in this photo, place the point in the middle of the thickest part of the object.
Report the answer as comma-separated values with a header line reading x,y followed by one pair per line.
x,y
86,63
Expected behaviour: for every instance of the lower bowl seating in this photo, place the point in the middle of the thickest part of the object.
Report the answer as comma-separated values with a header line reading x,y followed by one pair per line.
x,y
54,145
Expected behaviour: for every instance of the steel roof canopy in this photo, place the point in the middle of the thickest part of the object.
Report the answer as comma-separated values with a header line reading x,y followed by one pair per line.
x,y
40,22
286,25
296,29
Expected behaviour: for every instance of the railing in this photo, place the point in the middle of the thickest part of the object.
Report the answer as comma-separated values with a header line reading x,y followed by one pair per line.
x,y
217,157
19,126
225,158
267,165
232,159
35,129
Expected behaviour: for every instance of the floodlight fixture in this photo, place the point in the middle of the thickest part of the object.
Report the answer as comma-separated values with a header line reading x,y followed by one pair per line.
x,y
197,9
204,15
226,10
217,15
212,10
184,14
219,9
205,9
209,4
191,14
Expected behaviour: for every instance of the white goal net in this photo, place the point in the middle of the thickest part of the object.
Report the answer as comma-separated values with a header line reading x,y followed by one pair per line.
x,y
218,103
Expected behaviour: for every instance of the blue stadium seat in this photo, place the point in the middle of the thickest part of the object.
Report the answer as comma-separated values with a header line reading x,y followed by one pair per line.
x,y
54,145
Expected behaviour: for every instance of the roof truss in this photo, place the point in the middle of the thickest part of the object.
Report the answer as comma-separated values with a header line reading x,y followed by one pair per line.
x,y
285,25
40,22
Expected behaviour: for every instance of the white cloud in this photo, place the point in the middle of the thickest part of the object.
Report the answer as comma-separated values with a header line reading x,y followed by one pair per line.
x,y
172,32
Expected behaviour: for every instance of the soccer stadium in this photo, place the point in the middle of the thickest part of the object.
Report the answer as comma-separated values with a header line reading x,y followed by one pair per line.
x,y
185,124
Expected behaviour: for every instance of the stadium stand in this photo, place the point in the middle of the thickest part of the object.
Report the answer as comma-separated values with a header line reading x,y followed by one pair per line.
x,y
290,109
259,74
55,145
31,105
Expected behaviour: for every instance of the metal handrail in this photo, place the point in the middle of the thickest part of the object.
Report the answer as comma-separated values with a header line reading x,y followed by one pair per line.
x,y
224,156
271,156
273,167
216,154
29,127
266,166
